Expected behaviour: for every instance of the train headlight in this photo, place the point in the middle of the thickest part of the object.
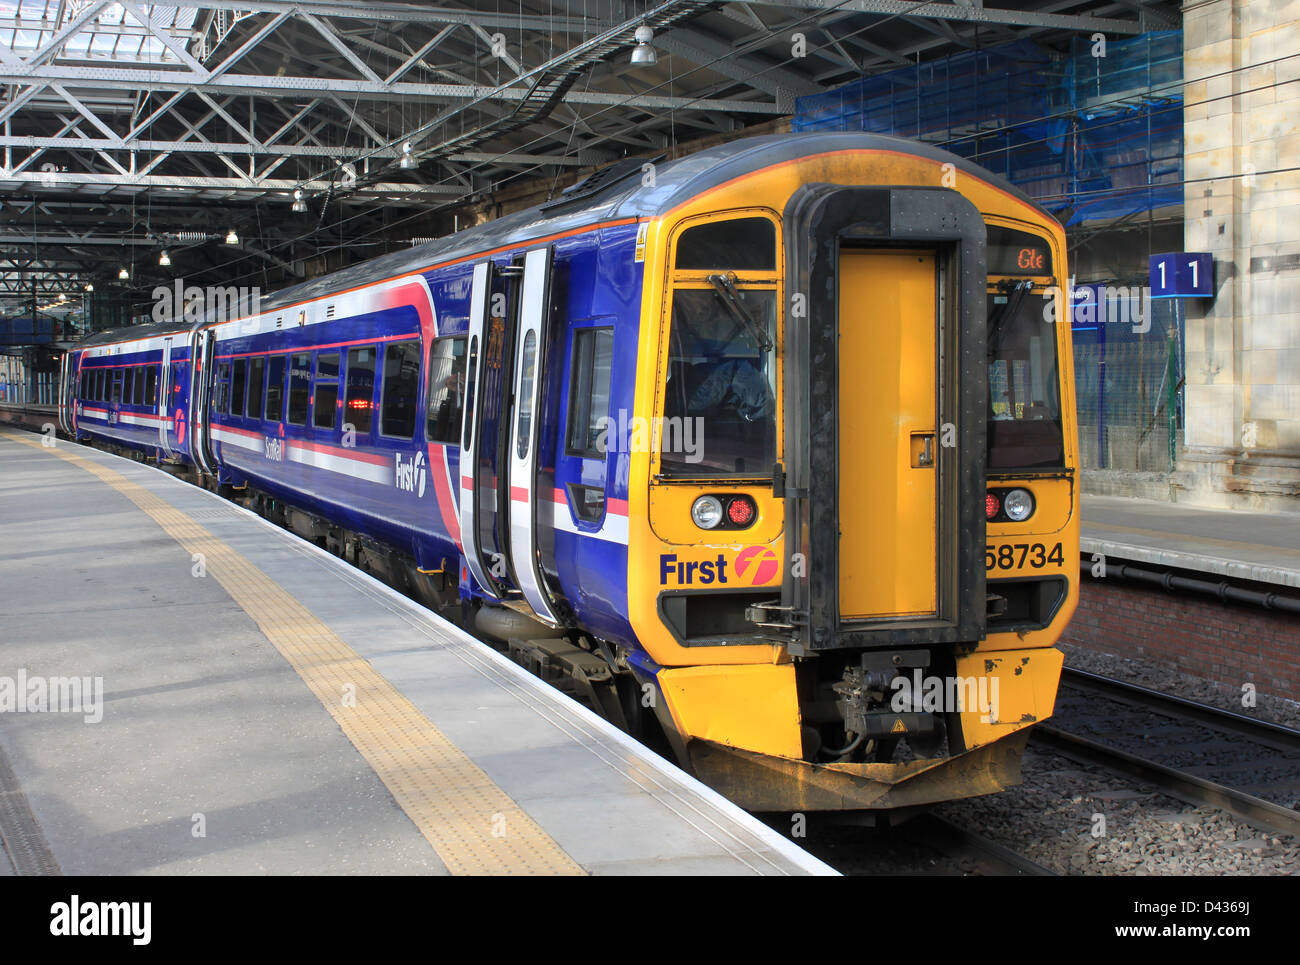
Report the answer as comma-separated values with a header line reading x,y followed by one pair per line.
x,y
707,512
1018,504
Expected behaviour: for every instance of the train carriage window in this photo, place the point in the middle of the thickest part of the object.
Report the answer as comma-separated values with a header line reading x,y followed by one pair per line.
x,y
359,401
738,244
101,386
151,386
116,391
128,385
524,427
446,393
326,391
299,388
274,411
589,387
238,386
400,388
221,389
471,377
256,387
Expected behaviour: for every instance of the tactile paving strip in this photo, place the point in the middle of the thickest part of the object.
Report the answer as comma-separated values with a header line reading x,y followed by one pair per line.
x,y
473,825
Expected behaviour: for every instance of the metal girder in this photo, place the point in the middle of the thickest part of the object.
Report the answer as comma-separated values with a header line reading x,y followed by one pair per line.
x,y
970,14
699,48
246,186
404,13
115,78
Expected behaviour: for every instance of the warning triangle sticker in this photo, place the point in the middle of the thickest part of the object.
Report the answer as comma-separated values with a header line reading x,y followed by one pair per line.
x,y
899,727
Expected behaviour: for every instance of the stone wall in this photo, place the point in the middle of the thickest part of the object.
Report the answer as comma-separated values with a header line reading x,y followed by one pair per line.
x,y
1242,122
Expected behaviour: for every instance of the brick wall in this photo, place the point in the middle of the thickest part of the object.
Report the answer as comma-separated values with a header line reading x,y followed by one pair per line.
x,y
1227,643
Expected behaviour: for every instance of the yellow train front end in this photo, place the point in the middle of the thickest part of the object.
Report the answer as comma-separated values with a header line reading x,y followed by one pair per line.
x,y
853,538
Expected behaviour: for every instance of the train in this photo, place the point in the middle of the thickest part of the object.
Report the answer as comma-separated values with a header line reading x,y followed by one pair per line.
x,y
767,453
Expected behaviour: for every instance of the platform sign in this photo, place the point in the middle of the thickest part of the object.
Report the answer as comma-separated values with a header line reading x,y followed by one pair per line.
x,y
1182,274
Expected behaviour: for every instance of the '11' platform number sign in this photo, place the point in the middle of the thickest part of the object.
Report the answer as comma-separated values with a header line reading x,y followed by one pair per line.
x,y
1182,274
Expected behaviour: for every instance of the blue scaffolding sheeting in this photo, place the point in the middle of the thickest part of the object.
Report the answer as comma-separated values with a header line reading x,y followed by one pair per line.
x,y
1093,135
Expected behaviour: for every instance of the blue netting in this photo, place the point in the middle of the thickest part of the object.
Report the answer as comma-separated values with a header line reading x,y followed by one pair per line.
x,y
1090,137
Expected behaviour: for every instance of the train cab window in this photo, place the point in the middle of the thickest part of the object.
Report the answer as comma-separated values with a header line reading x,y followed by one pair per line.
x,y
299,388
238,386
359,401
1024,418
326,392
274,411
738,244
446,393
589,386
720,397
400,388
256,387
151,386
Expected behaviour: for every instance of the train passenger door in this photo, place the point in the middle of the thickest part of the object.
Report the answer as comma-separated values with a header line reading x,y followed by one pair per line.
x,y
525,422
478,478
67,393
202,348
164,382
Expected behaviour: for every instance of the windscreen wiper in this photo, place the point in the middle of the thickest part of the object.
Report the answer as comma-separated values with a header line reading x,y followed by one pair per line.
x,y
1009,308
725,286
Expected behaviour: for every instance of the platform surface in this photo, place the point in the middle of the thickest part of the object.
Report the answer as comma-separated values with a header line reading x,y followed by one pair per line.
x,y
267,708
1244,545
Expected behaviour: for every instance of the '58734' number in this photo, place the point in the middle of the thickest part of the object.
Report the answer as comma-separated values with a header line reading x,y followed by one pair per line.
x,y
1013,556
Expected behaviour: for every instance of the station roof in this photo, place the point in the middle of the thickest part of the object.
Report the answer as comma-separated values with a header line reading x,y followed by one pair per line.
x,y
133,128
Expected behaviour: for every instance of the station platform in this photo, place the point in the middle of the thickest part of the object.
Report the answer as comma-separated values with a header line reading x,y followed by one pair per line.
x,y
1261,547
268,709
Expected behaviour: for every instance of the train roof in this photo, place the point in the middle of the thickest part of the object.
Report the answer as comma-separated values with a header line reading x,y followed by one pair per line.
x,y
133,332
607,195
626,197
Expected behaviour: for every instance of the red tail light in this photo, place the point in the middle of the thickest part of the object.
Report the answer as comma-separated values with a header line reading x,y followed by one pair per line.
x,y
741,511
992,506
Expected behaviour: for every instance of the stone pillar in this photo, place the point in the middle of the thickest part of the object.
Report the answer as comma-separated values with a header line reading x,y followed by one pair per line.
x,y
1241,123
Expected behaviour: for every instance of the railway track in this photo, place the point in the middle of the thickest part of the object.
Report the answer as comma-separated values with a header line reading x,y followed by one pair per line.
x,y
1200,754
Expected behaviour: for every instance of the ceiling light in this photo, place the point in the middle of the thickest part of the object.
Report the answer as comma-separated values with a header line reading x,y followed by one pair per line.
x,y
63,297
163,260
643,55
123,274
231,237
299,205
407,162
89,287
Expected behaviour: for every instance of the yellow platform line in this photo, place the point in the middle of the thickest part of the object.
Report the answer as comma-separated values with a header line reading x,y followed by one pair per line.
x,y
472,824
